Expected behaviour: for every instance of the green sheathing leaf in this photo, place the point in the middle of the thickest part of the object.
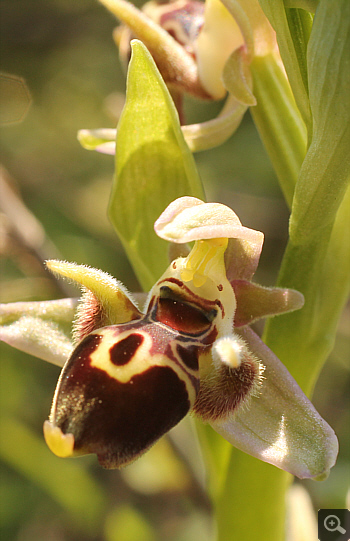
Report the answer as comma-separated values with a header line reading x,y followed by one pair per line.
x,y
316,261
317,257
292,27
153,166
300,24
325,173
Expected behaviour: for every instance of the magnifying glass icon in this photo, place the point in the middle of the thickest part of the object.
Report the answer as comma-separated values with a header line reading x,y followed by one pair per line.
x,y
332,524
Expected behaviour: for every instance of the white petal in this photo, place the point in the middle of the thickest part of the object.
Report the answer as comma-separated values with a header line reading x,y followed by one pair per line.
x,y
189,218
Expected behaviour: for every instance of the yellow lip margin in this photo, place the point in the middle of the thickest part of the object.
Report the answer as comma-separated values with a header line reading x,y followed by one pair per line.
x,y
60,444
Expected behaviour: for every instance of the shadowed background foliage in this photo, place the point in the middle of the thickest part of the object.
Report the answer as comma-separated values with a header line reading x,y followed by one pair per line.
x,y
65,53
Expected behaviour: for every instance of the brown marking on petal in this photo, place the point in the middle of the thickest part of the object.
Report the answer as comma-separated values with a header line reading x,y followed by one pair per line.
x,y
224,389
181,316
189,374
211,337
173,281
151,303
83,350
123,351
158,348
118,421
189,355
205,304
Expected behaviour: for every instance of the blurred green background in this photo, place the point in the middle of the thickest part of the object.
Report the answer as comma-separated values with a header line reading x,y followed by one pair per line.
x,y
64,52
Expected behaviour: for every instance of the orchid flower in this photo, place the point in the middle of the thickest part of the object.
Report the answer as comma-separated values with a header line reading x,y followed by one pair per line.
x,y
204,50
134,374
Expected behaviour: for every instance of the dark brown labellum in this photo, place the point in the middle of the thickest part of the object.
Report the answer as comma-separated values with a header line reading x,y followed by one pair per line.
x,y
124,387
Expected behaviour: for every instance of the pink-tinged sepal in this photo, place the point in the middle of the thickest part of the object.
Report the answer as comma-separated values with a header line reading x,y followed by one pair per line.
x,y
255,301
280,426
188,218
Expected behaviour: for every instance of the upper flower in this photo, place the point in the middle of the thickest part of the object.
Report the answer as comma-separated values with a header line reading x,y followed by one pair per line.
x,y
200,49
192,41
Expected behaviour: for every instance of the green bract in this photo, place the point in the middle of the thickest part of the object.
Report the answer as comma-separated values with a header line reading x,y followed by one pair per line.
x,y
153,161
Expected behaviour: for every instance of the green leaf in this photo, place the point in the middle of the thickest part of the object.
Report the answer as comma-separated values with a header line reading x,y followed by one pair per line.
x,y
292,27
325,173
153,166
308,5
300,24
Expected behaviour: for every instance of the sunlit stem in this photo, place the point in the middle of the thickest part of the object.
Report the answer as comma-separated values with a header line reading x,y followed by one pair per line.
x,y
206,258
279,122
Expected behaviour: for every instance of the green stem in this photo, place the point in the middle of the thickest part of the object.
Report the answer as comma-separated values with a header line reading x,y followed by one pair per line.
x,y
278,121
251,504
248,495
